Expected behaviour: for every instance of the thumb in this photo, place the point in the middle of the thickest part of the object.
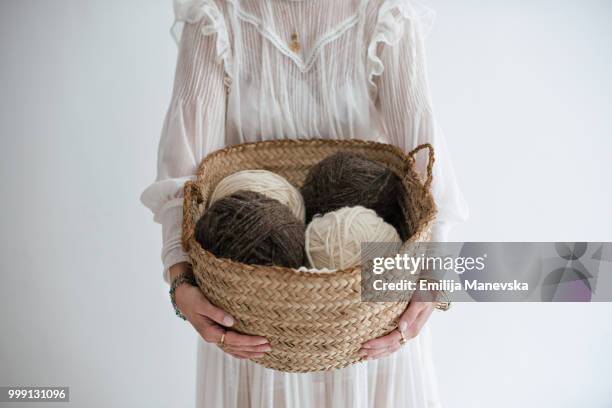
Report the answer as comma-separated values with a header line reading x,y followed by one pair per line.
x,y
214,313
409,316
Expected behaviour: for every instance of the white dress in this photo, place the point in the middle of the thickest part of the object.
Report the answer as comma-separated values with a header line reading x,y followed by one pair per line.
x,y
358,72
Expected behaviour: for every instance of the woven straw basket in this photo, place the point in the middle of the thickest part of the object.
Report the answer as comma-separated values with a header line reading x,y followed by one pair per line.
x,y
314,322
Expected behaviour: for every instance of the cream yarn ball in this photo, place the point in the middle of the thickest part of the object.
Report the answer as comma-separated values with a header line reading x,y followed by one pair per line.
x,y
265,182
333,241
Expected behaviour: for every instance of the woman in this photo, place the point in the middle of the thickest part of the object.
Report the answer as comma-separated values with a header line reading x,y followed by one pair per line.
x,y
251,70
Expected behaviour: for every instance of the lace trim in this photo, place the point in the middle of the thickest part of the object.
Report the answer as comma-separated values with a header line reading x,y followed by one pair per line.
x,y
390,26
303,64
192,11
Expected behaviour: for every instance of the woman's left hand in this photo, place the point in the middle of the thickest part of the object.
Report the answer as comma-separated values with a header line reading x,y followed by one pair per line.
x,y
410,324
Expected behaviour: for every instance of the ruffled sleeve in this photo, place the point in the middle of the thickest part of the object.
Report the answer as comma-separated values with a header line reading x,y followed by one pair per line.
x,y
195,121
194,11
397,74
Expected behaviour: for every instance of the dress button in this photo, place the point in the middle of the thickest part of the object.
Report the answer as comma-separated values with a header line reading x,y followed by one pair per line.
x,y
294,45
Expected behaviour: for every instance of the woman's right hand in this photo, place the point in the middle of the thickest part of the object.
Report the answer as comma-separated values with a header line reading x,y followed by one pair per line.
x,y
212,322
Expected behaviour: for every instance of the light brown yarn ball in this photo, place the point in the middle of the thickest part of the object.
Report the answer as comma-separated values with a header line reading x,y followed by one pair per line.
x,y
265,182
333,241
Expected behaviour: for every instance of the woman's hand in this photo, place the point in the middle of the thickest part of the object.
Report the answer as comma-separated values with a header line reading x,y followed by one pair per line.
x,y
411,322
211,322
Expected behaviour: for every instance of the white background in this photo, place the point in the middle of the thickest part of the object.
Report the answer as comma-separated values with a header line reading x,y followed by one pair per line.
x,y
522,90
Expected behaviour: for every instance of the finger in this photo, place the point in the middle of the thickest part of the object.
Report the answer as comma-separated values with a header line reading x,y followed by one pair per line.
x,y
379,356
238,356
262,348
207,309
243,355
367,354
380,353
410,315
420,321
236,339
383,342
209,330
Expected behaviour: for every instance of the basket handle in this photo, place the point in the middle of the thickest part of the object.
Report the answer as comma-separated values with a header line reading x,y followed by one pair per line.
x,y
430,161
192,197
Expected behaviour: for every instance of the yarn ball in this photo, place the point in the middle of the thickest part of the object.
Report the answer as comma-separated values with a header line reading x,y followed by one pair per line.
x,y
249,227
346,179
333,241
264,182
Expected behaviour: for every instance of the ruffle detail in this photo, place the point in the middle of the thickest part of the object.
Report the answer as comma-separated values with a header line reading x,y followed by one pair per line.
x,y
193,11
390,26
164,194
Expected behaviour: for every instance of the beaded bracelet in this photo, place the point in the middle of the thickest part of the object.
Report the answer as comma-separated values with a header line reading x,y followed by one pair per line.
x,y
184,278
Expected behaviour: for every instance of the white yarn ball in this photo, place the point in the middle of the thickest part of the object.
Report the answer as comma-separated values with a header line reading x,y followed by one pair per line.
x,y
265,182
333,241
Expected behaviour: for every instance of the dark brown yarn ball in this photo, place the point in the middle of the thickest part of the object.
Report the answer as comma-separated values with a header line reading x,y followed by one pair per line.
x,y
251,228
347,179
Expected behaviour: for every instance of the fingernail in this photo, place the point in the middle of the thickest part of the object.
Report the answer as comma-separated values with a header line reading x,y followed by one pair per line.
x,y
258,355
266,349
228,321
403,326
363,353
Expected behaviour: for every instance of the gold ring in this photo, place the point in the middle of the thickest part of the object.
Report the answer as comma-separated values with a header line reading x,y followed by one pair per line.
x,y
222,341
403,339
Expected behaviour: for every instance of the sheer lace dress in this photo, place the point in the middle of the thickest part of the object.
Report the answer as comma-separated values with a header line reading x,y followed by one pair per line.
x,y
251,70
